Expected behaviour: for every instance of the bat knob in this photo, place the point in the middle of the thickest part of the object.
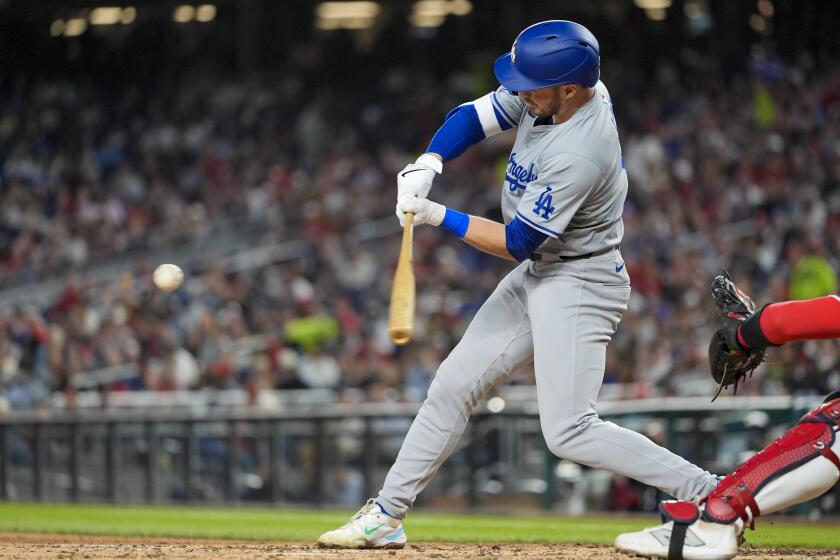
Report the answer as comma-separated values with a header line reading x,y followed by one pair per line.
x,y
399,336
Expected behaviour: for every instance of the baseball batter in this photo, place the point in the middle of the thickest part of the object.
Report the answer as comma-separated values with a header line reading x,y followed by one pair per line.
x,y
562,200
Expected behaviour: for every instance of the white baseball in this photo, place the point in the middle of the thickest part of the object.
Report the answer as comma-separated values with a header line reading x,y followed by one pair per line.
x,y
168,277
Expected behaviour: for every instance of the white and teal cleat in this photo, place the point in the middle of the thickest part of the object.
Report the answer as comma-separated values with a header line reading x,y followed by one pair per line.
x,y
370,527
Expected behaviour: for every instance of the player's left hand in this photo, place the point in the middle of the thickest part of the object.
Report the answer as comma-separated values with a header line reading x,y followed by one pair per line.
x,y
425,211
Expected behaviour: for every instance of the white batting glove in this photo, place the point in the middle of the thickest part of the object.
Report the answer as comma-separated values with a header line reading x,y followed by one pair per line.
x,y
425,211
415,180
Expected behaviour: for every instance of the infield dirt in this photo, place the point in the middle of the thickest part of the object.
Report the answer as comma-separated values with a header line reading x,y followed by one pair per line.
x,y
71,547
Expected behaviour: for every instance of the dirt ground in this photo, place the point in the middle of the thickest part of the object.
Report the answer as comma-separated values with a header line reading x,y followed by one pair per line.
x,y
76,547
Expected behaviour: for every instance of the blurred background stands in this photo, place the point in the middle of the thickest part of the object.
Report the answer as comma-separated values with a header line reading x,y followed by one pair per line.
x,y
255,143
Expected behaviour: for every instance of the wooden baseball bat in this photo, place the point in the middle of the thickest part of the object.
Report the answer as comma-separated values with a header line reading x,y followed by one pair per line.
x,y
401,318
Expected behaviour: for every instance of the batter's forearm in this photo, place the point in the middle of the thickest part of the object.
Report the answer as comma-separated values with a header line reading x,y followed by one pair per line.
x,y
515,241
488,236
484,235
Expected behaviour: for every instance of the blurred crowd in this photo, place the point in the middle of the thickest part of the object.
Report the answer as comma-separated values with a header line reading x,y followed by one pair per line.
x,y
745,177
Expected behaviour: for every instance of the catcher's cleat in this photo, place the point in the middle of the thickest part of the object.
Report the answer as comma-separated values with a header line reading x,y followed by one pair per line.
x,y
370,527
684,535
729,361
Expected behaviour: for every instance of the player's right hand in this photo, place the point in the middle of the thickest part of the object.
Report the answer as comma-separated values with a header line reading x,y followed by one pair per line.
x,y
415,180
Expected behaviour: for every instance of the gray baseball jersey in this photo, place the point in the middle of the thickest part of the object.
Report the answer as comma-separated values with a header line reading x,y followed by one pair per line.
x,y
567,181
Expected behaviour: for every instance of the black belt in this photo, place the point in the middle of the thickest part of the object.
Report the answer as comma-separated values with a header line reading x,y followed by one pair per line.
x,y
548,257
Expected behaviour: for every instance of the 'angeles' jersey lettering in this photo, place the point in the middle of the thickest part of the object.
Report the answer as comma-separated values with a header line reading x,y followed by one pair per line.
x,y
516,176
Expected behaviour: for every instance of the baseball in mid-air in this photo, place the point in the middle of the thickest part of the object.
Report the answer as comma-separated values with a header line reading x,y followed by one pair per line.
x,y
168,277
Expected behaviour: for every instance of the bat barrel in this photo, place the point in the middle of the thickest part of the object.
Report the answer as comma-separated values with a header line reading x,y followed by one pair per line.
x,y
401,319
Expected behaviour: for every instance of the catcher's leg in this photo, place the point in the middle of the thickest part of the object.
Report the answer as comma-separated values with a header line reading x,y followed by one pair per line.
x,y
797,467
787,321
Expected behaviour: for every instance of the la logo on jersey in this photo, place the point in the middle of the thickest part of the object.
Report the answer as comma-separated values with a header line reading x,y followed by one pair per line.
x,y
543,207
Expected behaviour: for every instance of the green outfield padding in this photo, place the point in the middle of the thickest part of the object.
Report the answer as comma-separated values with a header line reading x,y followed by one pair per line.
x,y
306,525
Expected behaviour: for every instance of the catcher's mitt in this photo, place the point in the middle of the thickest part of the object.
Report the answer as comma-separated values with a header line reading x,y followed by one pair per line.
x,y
729,361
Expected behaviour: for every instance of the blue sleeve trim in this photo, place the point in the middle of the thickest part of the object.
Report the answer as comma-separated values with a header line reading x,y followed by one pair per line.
x,y
503,124
461,130
500,109
537,226
522,240
456,222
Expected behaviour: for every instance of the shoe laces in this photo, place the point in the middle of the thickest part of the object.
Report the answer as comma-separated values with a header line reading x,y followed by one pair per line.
x,y
365,509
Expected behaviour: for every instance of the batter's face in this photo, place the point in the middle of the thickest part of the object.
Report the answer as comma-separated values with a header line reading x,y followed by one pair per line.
x,y
548,101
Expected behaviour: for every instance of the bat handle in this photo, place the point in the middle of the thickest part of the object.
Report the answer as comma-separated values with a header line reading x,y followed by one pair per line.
x,y
408,235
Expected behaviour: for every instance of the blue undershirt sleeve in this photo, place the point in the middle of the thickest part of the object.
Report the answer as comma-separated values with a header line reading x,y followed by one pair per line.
x,y
460,130
522,240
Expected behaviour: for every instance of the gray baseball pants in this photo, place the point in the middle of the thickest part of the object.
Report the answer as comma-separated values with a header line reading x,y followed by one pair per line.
x,y
561,316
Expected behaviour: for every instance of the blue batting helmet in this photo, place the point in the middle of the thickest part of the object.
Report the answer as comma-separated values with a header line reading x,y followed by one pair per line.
x,y
550,53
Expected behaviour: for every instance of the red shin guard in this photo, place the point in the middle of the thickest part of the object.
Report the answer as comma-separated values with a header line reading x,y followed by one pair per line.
x,y
792,455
